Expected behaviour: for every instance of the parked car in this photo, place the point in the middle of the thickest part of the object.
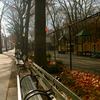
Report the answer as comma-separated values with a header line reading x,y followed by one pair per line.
x,y
96,55
61,52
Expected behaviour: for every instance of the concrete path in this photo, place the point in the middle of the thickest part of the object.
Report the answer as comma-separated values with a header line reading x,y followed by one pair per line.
x,y
5,73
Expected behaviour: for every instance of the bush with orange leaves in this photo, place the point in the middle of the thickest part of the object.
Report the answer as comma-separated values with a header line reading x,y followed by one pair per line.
x,y
84,84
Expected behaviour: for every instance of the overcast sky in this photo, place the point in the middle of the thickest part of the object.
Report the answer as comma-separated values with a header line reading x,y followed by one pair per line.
x,y
4,22
1,5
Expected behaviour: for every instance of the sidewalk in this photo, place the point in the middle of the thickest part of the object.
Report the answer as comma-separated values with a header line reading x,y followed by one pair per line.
x,y
6,64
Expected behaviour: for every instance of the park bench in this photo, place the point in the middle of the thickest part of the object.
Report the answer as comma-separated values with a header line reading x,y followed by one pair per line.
x,y
40,85
29,89
19,62
59,91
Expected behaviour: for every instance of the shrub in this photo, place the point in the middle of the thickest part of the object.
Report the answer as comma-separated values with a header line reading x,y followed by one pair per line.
x,y
59,62
53,69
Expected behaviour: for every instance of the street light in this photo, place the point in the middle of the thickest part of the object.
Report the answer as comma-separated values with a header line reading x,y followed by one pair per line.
x,y
70,41
23,43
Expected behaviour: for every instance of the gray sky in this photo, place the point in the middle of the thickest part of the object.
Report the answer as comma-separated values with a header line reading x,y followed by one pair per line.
x,y
4,23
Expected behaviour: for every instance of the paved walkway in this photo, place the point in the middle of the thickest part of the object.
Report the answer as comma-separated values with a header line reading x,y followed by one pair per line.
x,y
6,64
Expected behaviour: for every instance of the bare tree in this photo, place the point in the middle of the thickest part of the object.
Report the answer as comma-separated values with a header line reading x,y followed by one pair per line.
x,y
56,19
19,20
3,10
76,10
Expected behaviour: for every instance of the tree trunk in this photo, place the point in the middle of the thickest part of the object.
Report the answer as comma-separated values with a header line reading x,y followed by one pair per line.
x,y
0,40
27,27
40,34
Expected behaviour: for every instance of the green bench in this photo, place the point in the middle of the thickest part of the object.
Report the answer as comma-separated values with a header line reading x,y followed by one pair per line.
x,y
29,89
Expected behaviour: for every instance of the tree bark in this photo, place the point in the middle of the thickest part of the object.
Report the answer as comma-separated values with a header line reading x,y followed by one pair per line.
x,y
40,34
0,39
27,27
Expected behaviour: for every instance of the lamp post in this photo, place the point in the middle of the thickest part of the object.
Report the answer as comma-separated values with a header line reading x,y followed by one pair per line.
x,y
70,41
23,43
